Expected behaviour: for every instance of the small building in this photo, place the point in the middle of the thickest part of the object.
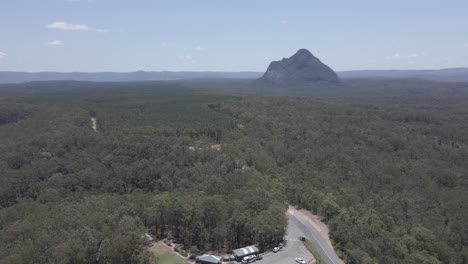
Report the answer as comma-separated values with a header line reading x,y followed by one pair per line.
x,y
148,239
246,251
208,259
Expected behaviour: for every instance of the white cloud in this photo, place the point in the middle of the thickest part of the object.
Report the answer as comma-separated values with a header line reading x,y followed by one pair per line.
x,y
397,56
198,48
102,30
284,22
55,42
3,55
187,59
65,26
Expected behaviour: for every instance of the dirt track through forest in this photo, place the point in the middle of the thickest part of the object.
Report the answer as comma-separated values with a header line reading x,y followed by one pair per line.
x,y
94,123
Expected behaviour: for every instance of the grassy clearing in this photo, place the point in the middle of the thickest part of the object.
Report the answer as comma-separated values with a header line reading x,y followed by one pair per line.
x,y
165,255
314,252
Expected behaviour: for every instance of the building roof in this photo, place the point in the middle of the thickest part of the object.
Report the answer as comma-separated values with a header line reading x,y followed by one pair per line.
x,y
148,237
209,259
241,252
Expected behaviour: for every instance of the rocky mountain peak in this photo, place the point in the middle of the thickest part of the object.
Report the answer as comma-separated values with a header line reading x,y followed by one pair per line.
x,y
301,68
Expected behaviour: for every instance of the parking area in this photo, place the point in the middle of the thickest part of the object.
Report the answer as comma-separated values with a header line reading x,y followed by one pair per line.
x,y
294,248
287,254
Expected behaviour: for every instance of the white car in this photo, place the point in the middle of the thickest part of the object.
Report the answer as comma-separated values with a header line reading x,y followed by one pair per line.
x,y
301,261
276,249
249,259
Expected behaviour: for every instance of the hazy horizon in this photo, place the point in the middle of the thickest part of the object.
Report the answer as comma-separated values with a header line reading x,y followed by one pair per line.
x,y
240,71
241,36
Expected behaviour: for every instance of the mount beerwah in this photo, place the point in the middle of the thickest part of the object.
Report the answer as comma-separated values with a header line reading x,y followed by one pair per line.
x,y
301,68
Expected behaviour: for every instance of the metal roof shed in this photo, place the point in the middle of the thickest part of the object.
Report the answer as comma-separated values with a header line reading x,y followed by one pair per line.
x,y
208,259
246,251
147,239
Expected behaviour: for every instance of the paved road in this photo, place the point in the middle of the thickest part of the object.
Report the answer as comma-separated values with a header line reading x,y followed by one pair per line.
x,y
299,226
293,249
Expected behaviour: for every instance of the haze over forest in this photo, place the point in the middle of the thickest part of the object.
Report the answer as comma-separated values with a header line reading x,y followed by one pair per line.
x,y
222,132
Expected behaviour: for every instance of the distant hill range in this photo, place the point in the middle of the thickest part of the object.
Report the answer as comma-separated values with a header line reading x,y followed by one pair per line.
x,y
19,77
301,68
444,75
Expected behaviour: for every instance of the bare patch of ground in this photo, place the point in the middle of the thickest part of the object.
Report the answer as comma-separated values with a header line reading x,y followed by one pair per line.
x,y
216,147
94,123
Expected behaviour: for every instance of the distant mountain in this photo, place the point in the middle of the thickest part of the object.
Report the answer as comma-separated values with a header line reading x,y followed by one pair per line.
x,y
20,77
301,68
444,75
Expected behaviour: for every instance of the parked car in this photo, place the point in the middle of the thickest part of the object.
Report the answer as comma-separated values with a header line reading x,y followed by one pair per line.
x,y
300,261
282,244
276,249
249,259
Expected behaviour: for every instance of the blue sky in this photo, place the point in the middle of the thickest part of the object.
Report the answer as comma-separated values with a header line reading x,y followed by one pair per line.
x,y
230,35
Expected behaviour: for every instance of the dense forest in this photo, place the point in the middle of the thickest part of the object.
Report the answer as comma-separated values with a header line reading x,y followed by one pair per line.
x,y
72,195
386,168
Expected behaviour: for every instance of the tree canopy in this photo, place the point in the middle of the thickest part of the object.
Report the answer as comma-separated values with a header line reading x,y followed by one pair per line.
x,y
216,172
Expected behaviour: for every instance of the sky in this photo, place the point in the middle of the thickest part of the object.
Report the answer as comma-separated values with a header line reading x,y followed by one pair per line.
x,y
230,35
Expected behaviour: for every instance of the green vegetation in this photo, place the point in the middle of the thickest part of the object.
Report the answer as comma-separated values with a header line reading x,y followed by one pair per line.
x,y
386,169
169,258
68,192
166,256
389,181
314,251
